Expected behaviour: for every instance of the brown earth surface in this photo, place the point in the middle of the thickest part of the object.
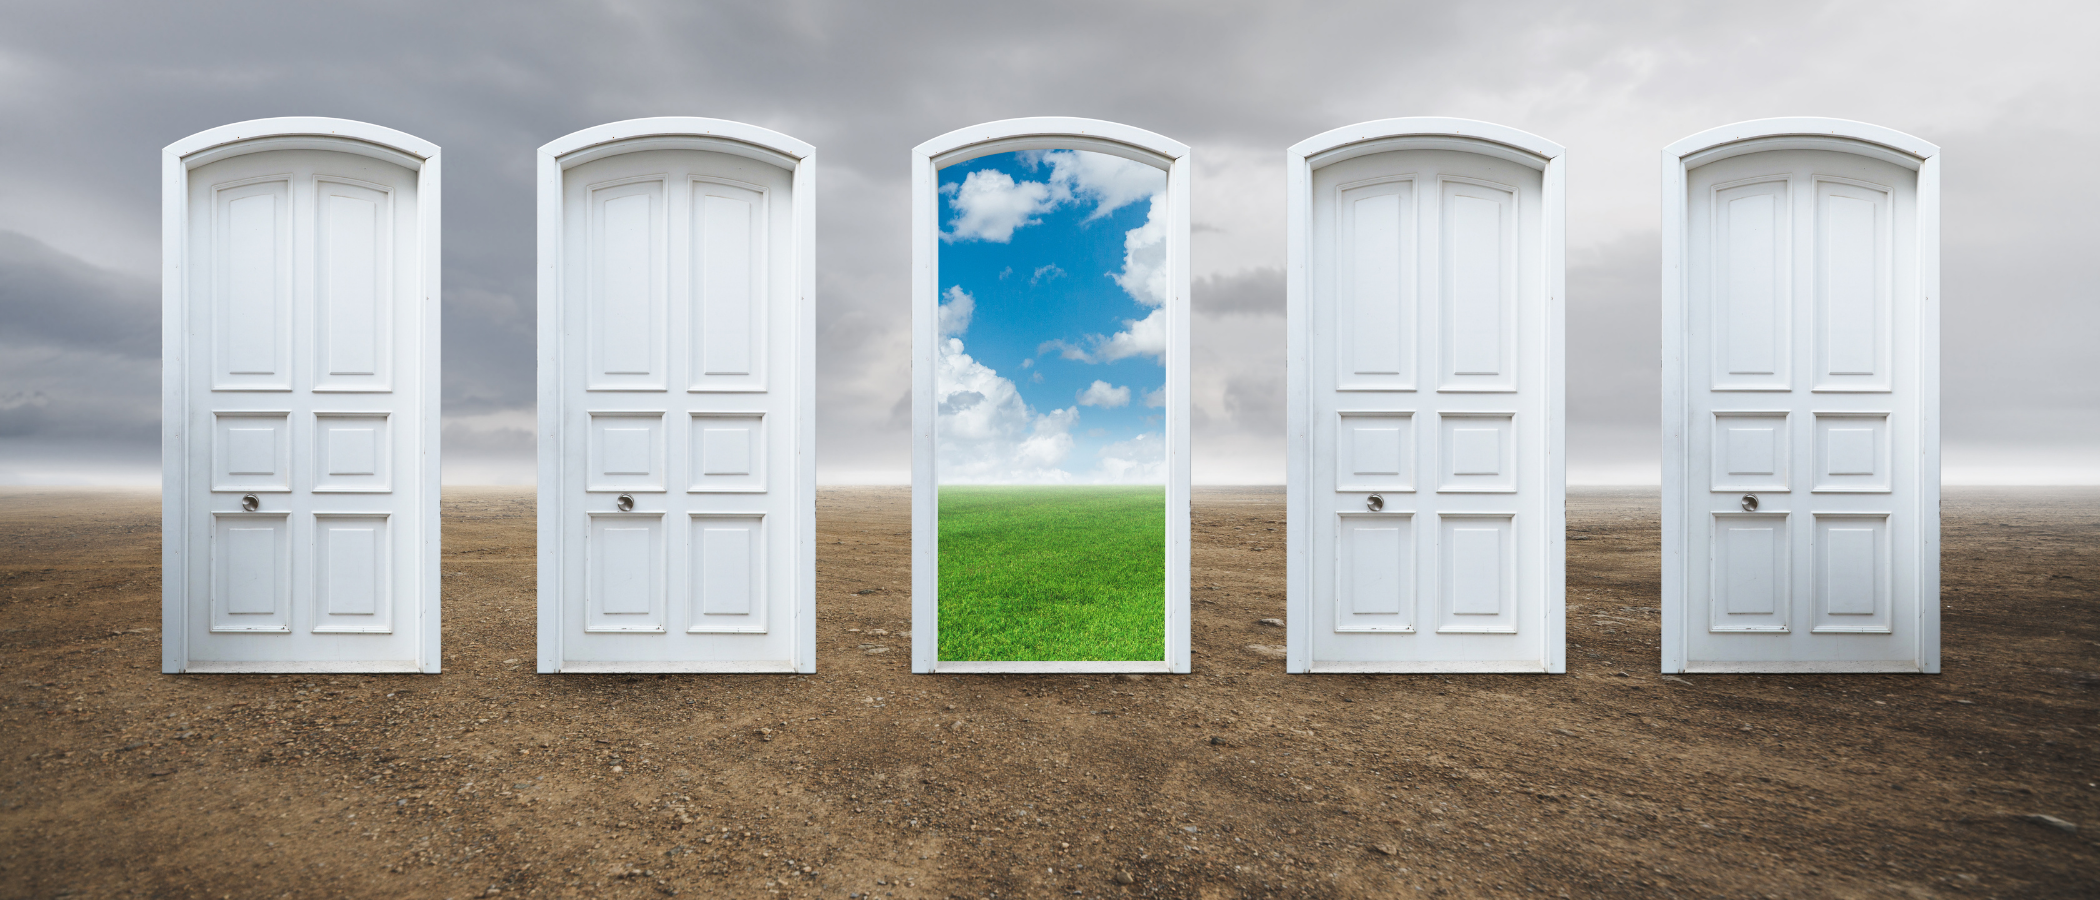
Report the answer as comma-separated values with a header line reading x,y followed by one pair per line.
x,y
867,781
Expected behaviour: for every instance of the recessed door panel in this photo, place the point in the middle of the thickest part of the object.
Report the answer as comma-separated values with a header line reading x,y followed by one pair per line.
x,y
1375,575
353,453
251,451
353,286
1752,286
1376,274
251,583
1478,452
1478,572
1852,453
1479,285
1751,451
729,286
1753,583
624,559
728,574
251,287
628,285
626,451
728,453
1375,451
1852,576
353,574
1852,286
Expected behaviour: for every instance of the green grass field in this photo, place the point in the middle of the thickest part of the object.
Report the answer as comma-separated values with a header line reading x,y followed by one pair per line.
x,y
1053,573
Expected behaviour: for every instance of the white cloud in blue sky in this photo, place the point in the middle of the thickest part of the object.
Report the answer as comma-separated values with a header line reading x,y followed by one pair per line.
x,y
955,312
1144,272
990,204
1104,395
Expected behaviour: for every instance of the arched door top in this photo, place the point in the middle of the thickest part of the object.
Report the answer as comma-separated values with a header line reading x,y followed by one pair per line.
x,y
677,133
1802,133
1427,133
1053,133
302,133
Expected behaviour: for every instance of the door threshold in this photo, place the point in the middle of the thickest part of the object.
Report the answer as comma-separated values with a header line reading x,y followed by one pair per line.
x,y
1429,667
679,667
303,667
1052,667
1808,667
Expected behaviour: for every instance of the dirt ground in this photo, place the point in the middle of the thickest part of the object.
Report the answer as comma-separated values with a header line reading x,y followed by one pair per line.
x,y
865,781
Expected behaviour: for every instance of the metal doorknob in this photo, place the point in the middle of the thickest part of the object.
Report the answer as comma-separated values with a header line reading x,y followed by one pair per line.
x,y
1374,503
1749,502
251,503
625,503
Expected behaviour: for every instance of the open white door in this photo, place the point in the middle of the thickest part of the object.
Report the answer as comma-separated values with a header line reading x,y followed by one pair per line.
x,y
299,428
1426,383
1800,280
677,508
1091,136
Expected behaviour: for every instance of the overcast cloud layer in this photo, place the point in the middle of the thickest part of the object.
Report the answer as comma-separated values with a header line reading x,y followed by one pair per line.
x,y
90,92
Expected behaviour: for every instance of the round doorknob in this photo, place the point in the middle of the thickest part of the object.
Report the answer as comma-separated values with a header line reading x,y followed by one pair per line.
x,y
625,503
1374,503
251,503
1749,502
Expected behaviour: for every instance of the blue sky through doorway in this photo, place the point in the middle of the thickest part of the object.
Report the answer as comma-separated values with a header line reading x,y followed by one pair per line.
x,y
1052,272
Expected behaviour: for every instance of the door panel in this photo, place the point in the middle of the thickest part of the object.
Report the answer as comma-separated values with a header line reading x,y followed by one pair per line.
x,y
729,286
1753,583
1753,287
625,259
1800,489
624,561
251,291
1375,303
676,416
1375,578
307,461
1452,395
353,263
251,573
1477,237
352,562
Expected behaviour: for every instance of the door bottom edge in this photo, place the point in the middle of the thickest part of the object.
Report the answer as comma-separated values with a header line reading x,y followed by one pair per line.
x,y
679,667
1807,667
303,667
1430,667
1052,667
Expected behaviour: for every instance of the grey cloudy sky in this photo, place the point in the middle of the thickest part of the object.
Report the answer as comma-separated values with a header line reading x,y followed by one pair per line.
x,y
89,93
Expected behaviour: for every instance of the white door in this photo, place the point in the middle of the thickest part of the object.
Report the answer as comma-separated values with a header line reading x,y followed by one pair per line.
x,y
301,460
676,507
1803,492
1426,480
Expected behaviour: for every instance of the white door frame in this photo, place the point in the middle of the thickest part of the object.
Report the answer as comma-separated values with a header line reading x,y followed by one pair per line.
x,y
1043,133
677,133
1793,133
1420,133
238,139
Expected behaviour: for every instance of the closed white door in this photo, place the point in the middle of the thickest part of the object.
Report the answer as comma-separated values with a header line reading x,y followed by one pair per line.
x,y
676,500
1800,489
1426,481
302,473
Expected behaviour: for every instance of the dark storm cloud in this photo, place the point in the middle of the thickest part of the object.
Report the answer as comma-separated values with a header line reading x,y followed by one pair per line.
x,y
51,299
79,349
92,91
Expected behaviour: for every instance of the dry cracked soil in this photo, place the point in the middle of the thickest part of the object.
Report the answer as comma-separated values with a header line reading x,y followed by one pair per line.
x,y
865,781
